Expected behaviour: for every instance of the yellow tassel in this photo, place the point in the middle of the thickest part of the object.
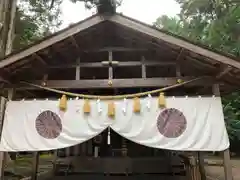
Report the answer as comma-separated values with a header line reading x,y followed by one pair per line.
x,y
161,100
111,109
86,107
136,105
63,103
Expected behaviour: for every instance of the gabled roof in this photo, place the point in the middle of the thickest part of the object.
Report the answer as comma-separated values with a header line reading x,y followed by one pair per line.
x,y
200,55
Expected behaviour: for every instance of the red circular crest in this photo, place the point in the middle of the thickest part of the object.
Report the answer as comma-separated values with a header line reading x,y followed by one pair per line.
x,y
48,125
171,123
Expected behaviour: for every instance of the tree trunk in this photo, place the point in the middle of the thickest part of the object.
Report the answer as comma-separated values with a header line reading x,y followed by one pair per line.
x,y
106,6
7,28
7,31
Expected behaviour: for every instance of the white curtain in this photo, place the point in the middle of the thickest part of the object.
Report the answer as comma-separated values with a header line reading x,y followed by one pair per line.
x,y
195,124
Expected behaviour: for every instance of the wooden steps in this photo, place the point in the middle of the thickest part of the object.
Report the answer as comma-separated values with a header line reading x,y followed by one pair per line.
x,y
116,166
118,177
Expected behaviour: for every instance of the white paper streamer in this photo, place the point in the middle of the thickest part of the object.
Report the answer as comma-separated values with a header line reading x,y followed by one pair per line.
x,y
149,101
124,108
109,137
99,108
205,113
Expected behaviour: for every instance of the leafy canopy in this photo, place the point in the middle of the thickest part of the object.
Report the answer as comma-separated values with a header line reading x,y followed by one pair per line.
x,y
214,23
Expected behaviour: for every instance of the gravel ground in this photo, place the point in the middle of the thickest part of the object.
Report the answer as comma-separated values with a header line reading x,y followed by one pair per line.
x,y
215,170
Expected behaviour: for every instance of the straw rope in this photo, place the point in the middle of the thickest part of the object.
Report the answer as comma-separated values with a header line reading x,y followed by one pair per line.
x,y
85,96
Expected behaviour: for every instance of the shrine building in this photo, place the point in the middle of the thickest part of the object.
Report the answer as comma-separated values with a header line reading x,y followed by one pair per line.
x,y
113,97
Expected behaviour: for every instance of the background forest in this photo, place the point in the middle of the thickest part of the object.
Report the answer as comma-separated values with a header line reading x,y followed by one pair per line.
x,y
215,23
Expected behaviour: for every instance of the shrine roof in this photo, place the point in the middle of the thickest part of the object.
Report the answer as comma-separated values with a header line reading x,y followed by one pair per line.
x,y
118,33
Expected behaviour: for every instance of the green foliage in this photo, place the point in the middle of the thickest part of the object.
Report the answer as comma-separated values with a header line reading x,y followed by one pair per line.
x,y
214,23
35,20
38,18
232,115
97,3
103,6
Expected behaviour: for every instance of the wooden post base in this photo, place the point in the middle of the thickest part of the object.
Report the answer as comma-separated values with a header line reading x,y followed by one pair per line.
x,y
227,165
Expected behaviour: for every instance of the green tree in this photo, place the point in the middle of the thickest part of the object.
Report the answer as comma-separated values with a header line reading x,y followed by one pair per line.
x,y
35,20
103,6
214,23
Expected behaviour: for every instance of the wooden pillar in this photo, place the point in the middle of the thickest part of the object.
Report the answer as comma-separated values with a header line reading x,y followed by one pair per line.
x,y
3,102
226,154
83,148
68,151
4,156
110,68
13,155
78,70
76,150
227,165
35,165
55,157
178,62
89,147
7,21
144,74
200,156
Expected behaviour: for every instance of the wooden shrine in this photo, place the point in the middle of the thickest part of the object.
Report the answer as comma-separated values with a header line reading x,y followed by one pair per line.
x,y
114,55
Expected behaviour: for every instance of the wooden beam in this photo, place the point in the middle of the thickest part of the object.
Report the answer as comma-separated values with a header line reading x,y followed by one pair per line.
x,y
143,28
45,77
216,89
35,55
227,165
35,165
178,62
200,156
144,73
115,49
87,23
226,154
4,80
110,68
11,94
120,64
218,76
77,76
199,63
132,63
223,72
136,38
74,42
117,83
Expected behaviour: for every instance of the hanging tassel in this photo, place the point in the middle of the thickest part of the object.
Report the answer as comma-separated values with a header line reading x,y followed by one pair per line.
x,y
136,105
111,109
161,100
63,103
86,106
109,137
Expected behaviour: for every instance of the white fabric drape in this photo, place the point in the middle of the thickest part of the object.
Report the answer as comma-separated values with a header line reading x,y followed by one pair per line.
x,y
205,128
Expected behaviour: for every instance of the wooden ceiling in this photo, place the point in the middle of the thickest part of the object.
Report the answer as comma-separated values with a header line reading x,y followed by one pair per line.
x,y
88,43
